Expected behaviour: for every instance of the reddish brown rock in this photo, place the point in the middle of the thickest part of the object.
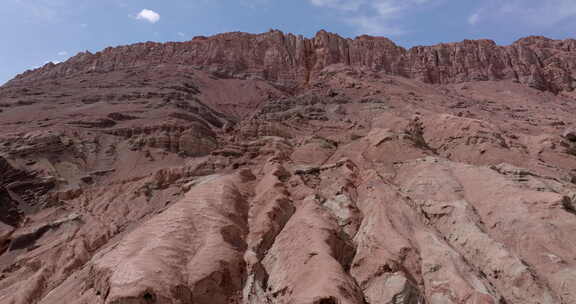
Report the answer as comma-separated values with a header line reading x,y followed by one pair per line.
x,y
292,61
273,168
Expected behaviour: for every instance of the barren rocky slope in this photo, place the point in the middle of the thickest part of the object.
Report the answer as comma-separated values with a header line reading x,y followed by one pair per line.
x,y
272,168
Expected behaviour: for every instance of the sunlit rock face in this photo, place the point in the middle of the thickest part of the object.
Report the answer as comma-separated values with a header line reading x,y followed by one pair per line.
x,y
273,168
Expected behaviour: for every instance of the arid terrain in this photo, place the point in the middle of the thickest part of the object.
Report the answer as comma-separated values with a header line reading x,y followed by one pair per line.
x,y
272,168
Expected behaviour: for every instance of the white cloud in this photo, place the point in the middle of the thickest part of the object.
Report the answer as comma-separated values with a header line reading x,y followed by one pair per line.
x,y
148,15
474,18
62,53
374,17
182,35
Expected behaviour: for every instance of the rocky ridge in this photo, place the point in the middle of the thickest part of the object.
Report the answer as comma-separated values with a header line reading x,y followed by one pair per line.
x,y
291,61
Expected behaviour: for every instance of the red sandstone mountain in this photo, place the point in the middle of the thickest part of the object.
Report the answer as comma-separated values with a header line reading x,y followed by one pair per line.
x,y
273,168
291,60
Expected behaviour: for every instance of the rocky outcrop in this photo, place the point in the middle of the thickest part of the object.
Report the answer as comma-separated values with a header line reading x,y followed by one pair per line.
x,y
292,61
11,214
193,139
21,192
36,142
131,272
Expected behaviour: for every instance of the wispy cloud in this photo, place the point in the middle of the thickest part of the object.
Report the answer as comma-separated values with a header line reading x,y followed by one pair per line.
x,y
346,5
528,13
48,10
254,4
375,25
40,10
474,18
148,15
62,53
375,17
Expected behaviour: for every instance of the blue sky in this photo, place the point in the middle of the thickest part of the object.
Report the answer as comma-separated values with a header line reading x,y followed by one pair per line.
x,y
37,31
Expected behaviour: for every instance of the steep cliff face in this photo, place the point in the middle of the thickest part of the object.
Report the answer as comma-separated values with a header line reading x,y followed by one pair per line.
x,y
292,61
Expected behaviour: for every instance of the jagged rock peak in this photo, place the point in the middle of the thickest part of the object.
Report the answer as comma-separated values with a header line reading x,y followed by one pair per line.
x,y
293,61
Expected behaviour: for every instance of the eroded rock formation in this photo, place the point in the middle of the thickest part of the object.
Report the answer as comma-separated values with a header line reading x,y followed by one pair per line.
x,y
271,168
290,60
